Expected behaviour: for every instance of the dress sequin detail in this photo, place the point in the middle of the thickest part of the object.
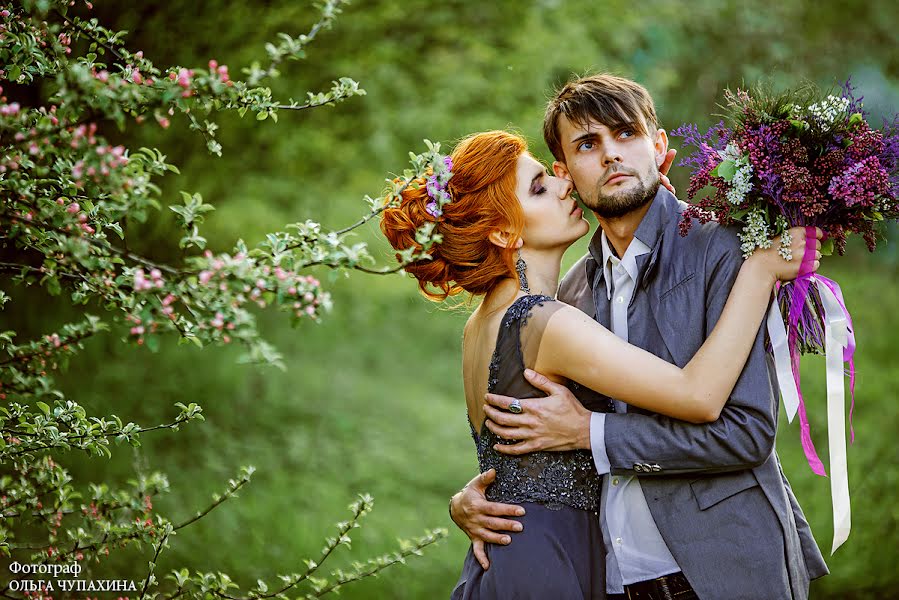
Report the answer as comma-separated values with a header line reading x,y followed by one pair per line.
x,y
550,478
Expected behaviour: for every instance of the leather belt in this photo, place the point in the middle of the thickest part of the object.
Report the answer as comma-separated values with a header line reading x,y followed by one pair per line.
x,y
666,587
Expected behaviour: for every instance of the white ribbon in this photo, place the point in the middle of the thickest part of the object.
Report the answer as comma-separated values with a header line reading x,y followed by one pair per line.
x,y
836,338
777,332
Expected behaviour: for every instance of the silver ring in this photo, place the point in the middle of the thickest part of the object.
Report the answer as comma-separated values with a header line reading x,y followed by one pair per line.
x,y
515,407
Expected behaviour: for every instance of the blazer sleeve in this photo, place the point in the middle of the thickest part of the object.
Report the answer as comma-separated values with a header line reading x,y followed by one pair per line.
x,y
742,437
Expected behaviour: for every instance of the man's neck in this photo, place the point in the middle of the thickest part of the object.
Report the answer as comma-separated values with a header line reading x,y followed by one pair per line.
x,y
620,230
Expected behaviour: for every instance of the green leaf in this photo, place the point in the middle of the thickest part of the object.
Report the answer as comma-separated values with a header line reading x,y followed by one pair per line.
x,y
827,247
14,73
726,170
261,116
43,406
53,287
855,118
152,342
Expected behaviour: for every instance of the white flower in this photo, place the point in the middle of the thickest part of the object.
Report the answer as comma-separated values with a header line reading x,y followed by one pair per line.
x,y
755,233
741,183
829,109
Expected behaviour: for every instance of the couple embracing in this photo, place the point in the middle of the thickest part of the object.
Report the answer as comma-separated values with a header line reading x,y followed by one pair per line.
x,y
624,420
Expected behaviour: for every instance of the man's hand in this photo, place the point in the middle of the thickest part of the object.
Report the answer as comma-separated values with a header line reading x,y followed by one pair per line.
x,y
557,422
664,168
480,519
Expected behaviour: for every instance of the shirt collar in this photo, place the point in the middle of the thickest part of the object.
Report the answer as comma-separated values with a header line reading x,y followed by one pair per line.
x,y
665,206
628,261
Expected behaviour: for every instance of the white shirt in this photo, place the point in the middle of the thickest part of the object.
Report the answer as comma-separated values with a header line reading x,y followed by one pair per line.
x,y
635,548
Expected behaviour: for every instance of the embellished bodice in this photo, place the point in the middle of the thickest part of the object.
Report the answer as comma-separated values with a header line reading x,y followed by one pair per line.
x,y
550,478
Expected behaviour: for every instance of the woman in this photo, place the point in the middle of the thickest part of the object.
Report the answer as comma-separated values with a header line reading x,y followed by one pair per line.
x,y
504,234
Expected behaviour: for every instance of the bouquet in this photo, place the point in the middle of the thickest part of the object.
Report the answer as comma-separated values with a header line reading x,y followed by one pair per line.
x,y
800,158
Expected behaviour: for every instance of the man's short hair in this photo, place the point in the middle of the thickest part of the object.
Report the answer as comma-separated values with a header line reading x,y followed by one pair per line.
x,y
608,99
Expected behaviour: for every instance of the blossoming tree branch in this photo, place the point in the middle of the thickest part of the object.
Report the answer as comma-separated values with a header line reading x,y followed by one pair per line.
x,y
68,197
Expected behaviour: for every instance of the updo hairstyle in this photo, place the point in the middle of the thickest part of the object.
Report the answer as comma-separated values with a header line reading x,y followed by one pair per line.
x,y
483,191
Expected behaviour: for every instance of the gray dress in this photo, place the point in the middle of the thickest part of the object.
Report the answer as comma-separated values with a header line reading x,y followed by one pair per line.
x,y
560,553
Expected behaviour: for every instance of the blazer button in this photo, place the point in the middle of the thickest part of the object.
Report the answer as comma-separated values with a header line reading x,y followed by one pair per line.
x,y
638,467
655,468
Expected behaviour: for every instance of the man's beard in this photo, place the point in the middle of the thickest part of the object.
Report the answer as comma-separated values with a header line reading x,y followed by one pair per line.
x,y
612,206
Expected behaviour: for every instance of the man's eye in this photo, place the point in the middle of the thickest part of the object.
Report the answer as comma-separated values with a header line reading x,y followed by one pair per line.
x,y
585,146
626,133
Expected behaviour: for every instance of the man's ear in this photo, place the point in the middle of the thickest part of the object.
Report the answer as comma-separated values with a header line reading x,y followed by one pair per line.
x,y
560,170
503,239
661,146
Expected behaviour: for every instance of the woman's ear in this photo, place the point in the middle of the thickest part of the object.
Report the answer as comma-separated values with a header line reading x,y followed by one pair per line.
x,y
503,239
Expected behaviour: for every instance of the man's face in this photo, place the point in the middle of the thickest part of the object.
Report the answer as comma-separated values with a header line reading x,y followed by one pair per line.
x,y
614,171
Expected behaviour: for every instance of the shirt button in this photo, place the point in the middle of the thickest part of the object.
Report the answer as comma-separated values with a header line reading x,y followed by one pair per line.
x,y
619,299
615,481
618,541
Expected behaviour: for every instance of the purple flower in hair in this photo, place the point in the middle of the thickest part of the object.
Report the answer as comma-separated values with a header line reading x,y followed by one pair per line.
x,y
432,209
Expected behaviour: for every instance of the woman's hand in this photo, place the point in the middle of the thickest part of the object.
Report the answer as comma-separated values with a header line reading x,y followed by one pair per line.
x,y
770,260
664,168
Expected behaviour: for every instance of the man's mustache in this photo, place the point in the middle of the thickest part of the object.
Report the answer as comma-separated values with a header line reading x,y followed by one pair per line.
x,y
618,171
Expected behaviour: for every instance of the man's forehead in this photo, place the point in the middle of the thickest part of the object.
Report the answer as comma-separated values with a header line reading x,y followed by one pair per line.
x,y
571,129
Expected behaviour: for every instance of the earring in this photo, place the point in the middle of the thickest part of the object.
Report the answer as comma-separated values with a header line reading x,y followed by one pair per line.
x,y
520,267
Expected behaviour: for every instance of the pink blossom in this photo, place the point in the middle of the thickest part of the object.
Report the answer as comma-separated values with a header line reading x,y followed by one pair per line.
x,y
73,208
260,283
205,276
213,64
138,330
292,290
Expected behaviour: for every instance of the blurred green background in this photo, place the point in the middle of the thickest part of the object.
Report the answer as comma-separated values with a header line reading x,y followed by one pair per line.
x,y
372,399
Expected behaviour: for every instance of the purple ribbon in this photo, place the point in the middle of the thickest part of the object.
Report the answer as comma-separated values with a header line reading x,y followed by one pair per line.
x,y
801,289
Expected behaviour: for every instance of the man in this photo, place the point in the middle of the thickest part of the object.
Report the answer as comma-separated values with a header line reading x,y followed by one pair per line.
x,y
688,510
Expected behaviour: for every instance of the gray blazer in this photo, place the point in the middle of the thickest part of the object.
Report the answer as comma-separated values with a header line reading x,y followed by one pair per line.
x,y
716,491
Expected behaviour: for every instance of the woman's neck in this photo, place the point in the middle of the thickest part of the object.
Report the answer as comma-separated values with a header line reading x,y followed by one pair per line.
x,y
542,273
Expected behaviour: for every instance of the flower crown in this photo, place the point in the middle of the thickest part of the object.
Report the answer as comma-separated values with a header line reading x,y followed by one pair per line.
x,y
437,188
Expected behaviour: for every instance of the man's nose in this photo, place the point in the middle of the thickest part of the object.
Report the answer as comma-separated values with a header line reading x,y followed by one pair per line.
x,y
611,155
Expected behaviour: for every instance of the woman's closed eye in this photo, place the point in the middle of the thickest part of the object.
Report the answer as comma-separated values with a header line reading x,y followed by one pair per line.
x,y
537,185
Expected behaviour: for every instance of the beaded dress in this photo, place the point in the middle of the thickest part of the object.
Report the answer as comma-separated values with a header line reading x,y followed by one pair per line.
x,y
560,553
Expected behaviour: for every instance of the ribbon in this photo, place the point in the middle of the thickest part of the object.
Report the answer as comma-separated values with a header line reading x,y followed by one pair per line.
x,y
839,346
837,334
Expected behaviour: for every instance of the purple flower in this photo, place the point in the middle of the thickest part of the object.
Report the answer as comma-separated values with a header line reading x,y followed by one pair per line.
x,y
861,183
433,186
448,163
432,209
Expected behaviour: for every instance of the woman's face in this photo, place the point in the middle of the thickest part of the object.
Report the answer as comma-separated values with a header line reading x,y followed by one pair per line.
x,y
552,218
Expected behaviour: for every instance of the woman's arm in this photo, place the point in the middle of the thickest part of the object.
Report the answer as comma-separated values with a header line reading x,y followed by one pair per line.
x,y
575,347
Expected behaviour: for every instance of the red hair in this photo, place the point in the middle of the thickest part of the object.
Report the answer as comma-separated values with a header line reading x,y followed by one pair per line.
x,y
484,200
